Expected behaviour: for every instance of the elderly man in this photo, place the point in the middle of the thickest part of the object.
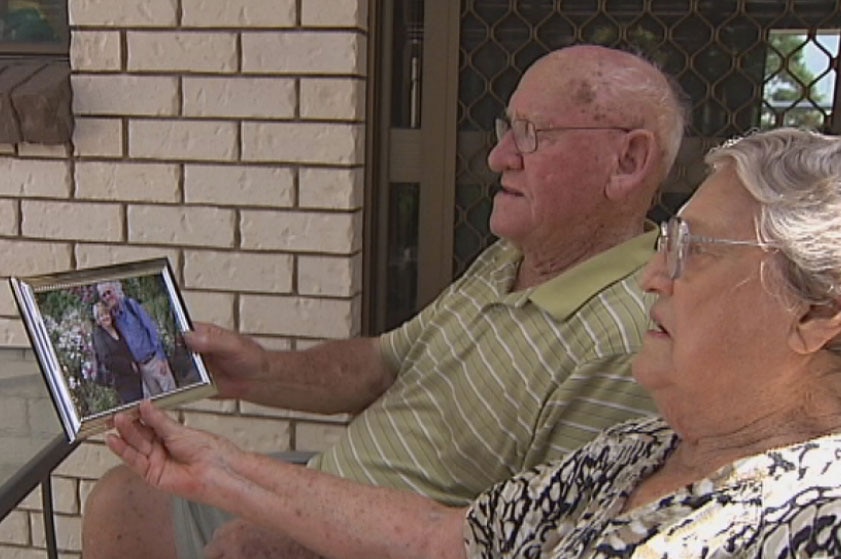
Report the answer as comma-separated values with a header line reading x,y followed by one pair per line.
x,y
141,335
519,361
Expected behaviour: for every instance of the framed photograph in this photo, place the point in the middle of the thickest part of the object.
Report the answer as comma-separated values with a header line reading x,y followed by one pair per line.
x,y
107,338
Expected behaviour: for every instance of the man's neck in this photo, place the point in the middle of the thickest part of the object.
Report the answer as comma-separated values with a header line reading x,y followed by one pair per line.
x,y
539,266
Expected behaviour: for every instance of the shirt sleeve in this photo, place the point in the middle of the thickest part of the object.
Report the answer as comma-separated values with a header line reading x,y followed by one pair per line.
x,y
149,324
396,344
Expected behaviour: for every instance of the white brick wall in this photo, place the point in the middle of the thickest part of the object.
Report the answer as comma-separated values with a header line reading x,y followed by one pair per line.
x,y
228,137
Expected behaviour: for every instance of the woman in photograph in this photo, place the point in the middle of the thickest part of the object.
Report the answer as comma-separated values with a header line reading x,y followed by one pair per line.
x,y
113,358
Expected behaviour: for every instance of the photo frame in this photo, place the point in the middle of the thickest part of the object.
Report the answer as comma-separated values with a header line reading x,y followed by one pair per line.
x,y
107,338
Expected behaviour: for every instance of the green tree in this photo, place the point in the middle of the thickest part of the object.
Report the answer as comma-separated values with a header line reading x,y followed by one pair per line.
x,y
790,96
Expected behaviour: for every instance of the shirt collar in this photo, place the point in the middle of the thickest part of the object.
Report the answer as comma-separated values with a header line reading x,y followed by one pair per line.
x,y
564,294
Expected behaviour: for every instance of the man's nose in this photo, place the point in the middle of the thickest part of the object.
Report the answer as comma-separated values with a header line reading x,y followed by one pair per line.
x,y
505,155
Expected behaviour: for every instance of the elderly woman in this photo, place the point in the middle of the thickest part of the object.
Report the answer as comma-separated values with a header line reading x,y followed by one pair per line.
x,y
742,359
113,357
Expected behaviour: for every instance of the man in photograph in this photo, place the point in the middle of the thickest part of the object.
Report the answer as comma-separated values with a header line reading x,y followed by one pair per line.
x,y
141,335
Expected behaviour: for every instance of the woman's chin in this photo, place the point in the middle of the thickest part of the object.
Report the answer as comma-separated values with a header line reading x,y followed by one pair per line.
x,y
649,372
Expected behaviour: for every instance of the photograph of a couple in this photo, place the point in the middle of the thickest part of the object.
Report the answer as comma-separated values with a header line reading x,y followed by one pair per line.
x,y
115,340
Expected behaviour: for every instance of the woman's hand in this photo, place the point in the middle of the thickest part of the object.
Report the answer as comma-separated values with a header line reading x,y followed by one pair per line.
x,y
167,455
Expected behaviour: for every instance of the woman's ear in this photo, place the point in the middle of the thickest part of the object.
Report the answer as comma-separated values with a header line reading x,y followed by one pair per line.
x,y
817,326
634,167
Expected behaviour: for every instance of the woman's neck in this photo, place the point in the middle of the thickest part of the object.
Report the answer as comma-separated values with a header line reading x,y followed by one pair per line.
x,y
704,455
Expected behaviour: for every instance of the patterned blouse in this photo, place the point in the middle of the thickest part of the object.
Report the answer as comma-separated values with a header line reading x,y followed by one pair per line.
x,y
784,503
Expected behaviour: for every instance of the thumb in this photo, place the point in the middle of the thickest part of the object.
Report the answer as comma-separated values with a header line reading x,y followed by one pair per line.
x,y
196,339
157,420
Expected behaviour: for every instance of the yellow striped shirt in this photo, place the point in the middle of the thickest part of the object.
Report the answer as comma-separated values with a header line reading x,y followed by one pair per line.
x,y
492,382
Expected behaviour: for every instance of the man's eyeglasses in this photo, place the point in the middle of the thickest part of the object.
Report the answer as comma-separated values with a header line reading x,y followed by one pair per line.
x,y
525,132
675,241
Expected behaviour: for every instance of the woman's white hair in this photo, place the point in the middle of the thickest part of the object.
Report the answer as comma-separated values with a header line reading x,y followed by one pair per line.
x,y
795,175
95,309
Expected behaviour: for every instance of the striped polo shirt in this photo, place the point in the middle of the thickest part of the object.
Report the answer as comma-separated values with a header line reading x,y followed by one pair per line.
x,y
492,382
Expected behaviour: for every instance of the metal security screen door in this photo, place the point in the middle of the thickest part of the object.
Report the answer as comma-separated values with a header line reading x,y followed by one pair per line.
x,y
745,64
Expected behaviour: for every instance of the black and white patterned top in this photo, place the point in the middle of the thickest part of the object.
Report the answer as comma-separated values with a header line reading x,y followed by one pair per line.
x,y
784,503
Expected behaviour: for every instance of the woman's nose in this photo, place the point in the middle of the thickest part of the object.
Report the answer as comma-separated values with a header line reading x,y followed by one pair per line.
x,y
655,275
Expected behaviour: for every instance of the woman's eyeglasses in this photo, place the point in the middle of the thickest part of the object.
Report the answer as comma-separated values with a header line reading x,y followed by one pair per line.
x,y
675,241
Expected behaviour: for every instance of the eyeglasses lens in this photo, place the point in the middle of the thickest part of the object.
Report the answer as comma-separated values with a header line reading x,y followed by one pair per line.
x,y
501,127
675,239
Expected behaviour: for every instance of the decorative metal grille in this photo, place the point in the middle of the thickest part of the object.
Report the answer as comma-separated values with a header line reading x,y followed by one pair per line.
x,y
744,63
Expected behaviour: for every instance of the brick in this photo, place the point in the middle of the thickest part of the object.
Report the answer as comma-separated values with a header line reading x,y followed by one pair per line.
x,y
217,308
335,13
68,531
34,177
105,13
29,258
306,53
337,233
7,149
332,99
85,488
15,424
196,226
181,51
98,137
329,275
69,220
8,217
65,494
89,255
7,301
120,95
303,142
8,552
238,13
186,140
239,97
317,436
227,407
14,529
337,189
88,461
257,435
95,51
144,182
47,151
273,343
239,185
32,501
299,316
42,104
237,271
12,333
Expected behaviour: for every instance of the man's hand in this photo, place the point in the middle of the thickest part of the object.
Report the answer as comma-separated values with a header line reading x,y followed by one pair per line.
x,y
238,539
234,360
167,455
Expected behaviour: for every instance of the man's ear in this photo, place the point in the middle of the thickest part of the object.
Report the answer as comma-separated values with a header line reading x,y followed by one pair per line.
x,y
635,166
817,326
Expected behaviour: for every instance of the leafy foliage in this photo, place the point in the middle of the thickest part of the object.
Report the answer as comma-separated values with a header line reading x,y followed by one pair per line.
x,y
790,94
